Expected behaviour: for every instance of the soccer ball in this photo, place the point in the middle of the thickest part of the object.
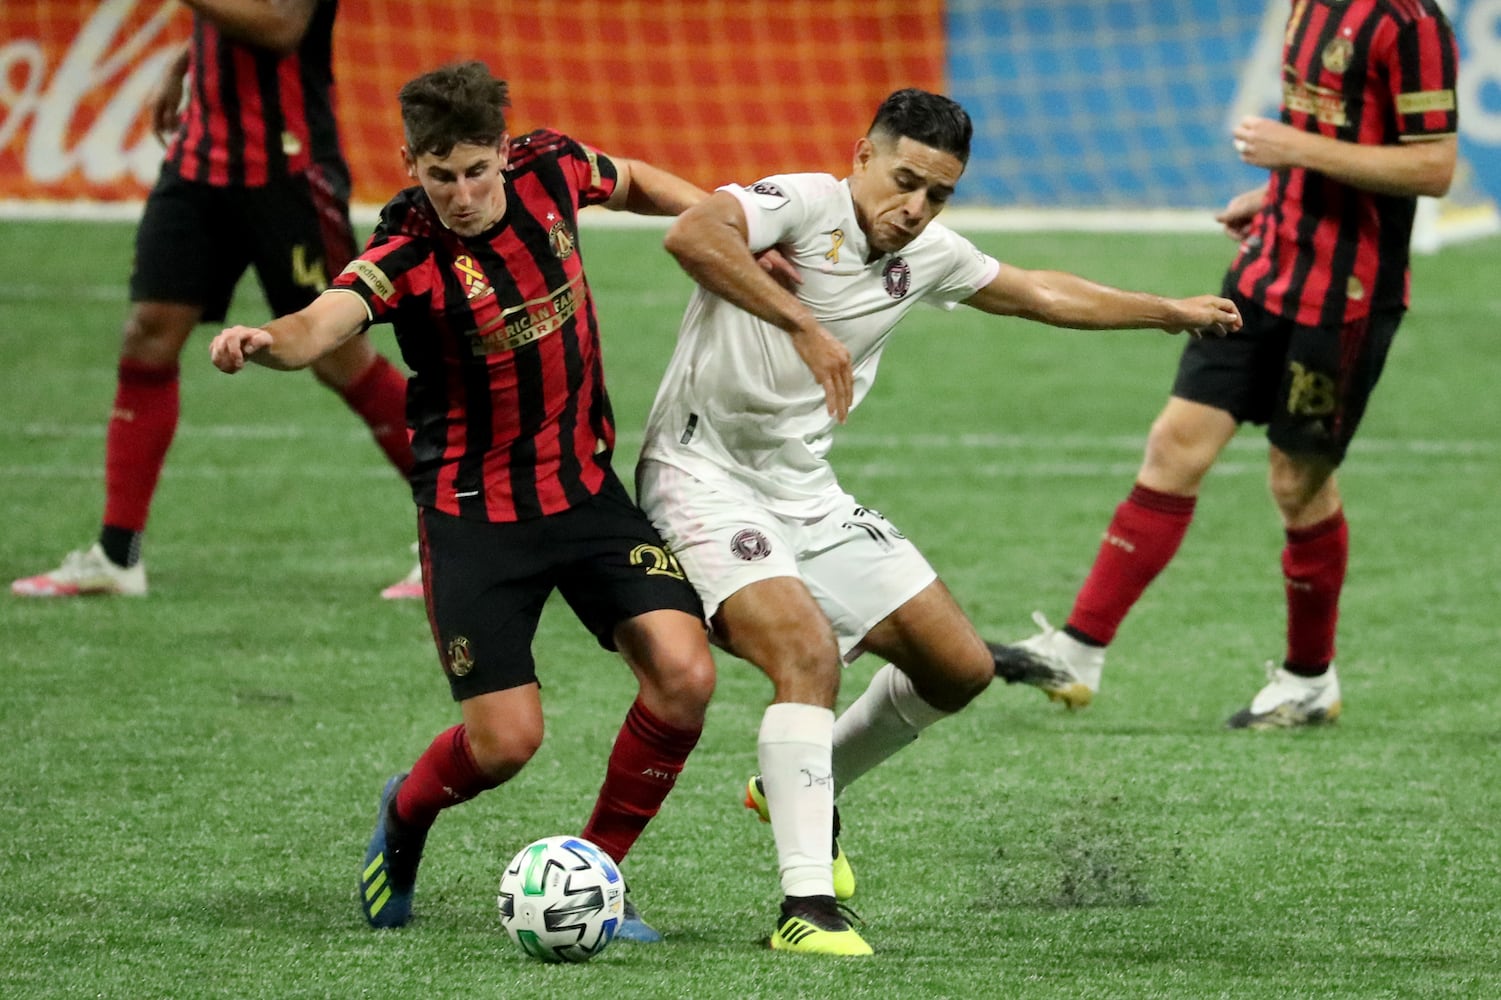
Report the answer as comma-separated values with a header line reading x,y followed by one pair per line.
x,y
561,899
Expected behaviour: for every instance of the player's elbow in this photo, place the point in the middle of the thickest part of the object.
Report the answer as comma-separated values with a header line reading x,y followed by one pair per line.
x,y
1438,167
1437,182
685,240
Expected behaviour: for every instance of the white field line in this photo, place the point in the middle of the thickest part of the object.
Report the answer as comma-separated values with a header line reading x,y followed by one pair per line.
x,y
975,456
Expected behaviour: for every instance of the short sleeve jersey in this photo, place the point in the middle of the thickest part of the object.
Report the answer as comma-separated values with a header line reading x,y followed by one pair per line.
x,y
737,399
1378,72
255,115
507,401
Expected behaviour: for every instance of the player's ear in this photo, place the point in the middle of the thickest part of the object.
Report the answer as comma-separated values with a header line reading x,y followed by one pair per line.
x,y
864,150
503,149
409,162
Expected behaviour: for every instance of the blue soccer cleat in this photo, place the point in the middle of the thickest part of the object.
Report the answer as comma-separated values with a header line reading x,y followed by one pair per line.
x,y
632,928
389,874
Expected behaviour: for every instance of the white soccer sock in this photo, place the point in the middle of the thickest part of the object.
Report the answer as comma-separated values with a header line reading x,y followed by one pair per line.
x,y
887,716
794,750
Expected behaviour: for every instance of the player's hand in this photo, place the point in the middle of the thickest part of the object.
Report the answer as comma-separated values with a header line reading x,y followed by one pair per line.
x,y
1205,316
165,101
1265,142
230,349
1236,217
776,264
829,361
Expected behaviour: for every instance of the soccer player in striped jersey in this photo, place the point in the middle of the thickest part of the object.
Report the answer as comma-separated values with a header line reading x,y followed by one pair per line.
x,y
477,268
1368,124
797,575
253,177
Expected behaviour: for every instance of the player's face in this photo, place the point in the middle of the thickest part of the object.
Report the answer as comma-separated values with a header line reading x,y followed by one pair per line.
x,y
466,187
899,187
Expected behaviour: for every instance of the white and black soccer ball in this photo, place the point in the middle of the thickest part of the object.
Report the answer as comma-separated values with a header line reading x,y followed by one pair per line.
x,y
562,899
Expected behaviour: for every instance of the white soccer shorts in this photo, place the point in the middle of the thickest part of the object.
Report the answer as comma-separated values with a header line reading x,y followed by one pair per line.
x,y
856,564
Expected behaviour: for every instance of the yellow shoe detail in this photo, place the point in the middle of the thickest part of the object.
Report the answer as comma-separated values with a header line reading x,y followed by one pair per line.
x,y
844,874
799,935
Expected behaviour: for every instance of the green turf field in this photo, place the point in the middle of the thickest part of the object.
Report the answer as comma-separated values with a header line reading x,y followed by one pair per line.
x,y
189,779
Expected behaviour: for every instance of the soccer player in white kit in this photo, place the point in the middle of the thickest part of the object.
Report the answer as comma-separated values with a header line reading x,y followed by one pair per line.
x,y
796,575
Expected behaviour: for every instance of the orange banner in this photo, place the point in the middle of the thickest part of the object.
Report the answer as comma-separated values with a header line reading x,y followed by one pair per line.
x,y
715,90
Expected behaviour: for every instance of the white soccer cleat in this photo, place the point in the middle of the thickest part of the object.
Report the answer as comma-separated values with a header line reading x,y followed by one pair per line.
x,y
408,588
1289,701
85,573
1061,666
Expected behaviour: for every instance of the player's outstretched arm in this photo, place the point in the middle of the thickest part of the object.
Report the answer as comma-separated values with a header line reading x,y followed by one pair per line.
x,y
1406,169
711,242
295,340
1067,300
647,190
272,24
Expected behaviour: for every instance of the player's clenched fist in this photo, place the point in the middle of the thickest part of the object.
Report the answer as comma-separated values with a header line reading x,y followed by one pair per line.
x,y
231,347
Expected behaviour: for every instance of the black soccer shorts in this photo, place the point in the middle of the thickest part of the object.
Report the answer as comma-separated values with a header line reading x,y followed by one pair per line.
x,y
1308,385
196,240
487,582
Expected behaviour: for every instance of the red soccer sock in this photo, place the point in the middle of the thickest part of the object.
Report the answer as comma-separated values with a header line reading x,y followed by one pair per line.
x,y
140,431
1313,570
443,776
1142,539
645,764
379,395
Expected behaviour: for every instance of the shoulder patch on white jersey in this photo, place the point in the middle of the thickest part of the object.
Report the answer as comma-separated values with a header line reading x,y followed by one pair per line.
x,y
771,196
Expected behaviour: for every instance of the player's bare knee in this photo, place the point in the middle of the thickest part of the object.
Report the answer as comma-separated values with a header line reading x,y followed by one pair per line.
x,y
500,751
682,687
1303,490
1175,458
155,334
810,679
955,686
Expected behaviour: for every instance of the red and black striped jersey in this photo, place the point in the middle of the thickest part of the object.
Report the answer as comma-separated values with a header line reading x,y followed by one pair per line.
x,y
507,400
254,115
1378,72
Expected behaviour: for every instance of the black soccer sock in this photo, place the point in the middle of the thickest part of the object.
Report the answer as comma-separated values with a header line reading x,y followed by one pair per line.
x,y
121,545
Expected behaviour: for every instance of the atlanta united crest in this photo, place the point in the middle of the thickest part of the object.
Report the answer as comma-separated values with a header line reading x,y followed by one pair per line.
x,y
460,658
561,240
1337,55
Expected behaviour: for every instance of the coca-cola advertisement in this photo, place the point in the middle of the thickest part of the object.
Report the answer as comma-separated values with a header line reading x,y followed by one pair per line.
x,y
77,80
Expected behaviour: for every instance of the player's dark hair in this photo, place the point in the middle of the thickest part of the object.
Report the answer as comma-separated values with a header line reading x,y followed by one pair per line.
x,y
930,119
461,103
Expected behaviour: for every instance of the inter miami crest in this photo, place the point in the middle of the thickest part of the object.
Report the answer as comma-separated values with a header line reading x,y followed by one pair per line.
x,y
896,276
750,545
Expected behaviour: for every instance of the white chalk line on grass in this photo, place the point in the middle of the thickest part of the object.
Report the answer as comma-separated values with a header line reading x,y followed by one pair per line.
x,y
1249,441
975,456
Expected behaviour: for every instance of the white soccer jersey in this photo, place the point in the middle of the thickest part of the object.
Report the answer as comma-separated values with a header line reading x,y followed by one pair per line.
x,y
737,401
